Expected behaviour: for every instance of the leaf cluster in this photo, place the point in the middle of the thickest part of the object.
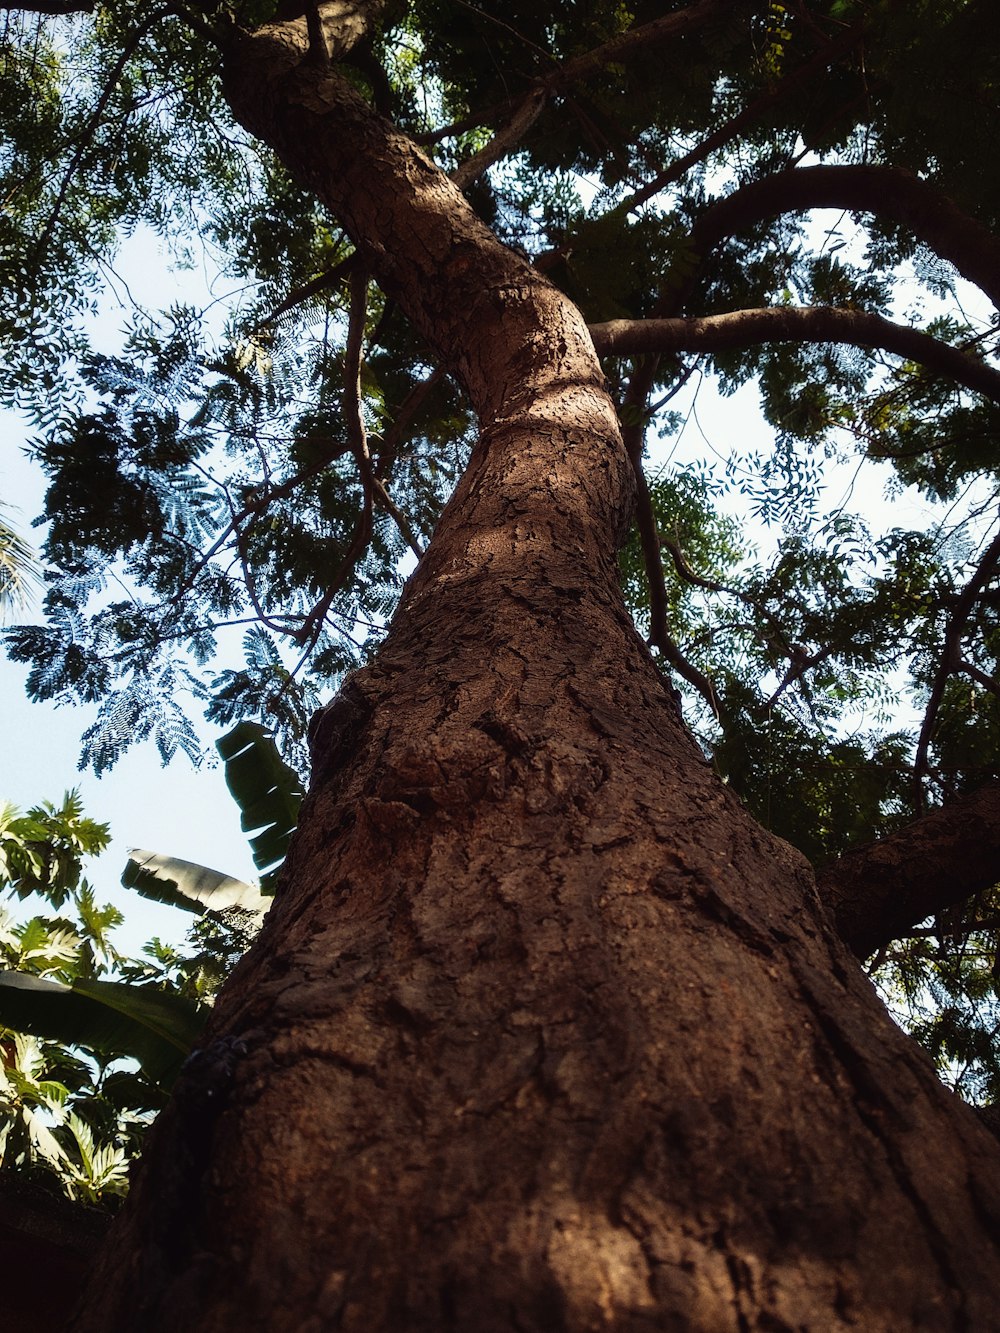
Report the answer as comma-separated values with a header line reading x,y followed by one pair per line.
x,y
91,1040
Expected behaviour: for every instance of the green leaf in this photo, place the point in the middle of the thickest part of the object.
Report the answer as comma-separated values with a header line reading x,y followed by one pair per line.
x,y
156,1028
185,884
268,793
128,1091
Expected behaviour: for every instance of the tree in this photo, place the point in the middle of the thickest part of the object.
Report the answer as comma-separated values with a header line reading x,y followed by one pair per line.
x,y
544,1029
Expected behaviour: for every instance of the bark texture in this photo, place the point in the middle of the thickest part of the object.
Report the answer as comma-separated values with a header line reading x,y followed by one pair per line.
x,y
543,1032
879,892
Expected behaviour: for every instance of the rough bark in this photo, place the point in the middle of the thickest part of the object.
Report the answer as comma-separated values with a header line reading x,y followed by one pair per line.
x,y
879,892
543,1032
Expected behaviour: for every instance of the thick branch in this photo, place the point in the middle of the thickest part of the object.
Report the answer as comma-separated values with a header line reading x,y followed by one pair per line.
x,y
889,192
878,892
741,328
415,230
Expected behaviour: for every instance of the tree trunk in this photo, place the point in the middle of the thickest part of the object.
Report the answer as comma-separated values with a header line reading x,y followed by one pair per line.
x,y
543,1031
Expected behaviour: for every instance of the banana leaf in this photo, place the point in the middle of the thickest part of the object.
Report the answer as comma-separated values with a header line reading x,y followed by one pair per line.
x,y
267,792
185,884
156,1028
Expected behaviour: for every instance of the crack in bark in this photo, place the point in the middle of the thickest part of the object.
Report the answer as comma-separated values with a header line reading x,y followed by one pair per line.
x,y
872,1099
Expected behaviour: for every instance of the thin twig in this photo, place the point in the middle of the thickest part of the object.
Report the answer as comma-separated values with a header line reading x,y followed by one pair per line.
x,y
959,932
356,433
357,437
503,141
639,39
951,660
799,660
298,295
689,575
407,410
635,415
732,127
980,677
118,68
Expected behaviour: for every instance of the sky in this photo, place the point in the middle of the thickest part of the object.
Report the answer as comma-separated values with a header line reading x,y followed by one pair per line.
x,y
177,810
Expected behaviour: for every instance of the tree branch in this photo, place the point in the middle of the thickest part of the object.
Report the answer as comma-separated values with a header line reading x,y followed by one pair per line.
x,y
619,48
298,295
504,141
732,127
357,436
690,576
640,39
356,433
980,677
118,68
742,328
954,932
951,657
889,192
392,440
635,415
878,892
799,661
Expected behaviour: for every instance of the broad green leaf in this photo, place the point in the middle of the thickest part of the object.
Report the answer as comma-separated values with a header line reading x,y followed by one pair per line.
x,y
195,888
156,1028
268,793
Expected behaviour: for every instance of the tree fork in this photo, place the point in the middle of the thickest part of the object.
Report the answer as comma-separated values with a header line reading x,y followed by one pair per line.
x,y
880,892
543,1031
888,192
